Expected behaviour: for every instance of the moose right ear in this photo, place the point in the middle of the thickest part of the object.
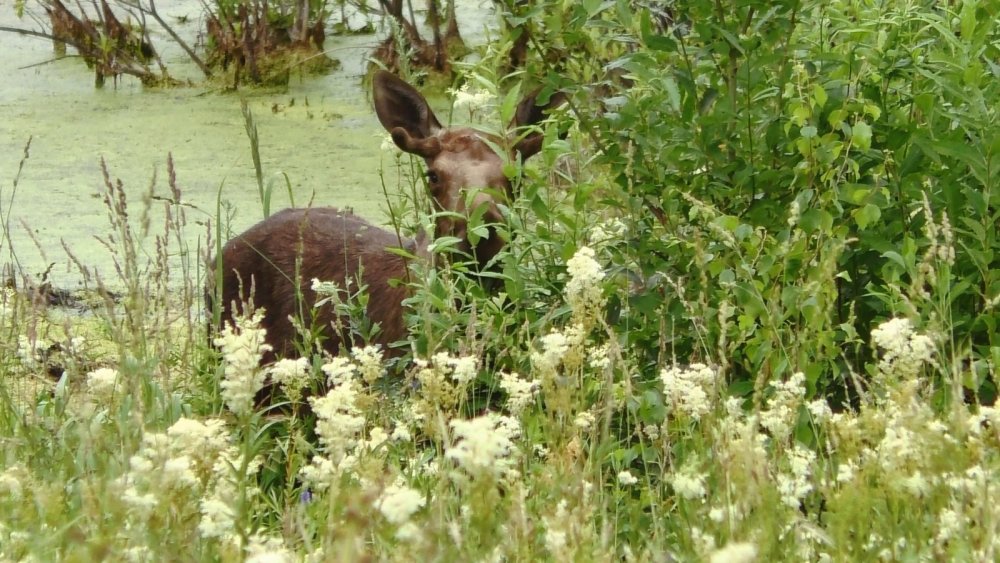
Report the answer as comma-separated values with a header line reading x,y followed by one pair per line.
x,y
399,105
528,114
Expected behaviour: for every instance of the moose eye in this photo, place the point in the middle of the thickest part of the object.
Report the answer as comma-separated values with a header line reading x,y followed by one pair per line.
x,y
432,177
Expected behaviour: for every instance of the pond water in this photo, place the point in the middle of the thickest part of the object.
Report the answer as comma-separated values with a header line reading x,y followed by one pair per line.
x,y
320,132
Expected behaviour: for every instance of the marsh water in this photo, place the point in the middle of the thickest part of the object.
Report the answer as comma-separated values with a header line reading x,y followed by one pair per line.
x,y
320,133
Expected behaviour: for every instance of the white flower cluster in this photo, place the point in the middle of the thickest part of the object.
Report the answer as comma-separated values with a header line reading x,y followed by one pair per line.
x,y
339,370
12,482
101,384
463,368
171,465
243,347
607,231
292,375
559,349
369,362
557,530
735,553
339,422
520,392
626,478
783,408
688,483
583,290
905,351
443,381
688,390
268,549
398,503
484,445
473,98
219,506
795,484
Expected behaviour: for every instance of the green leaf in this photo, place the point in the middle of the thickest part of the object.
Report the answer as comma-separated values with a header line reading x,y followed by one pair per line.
x,y
861,135
673,95
819,95
866,215
509,105
836,118
968,19
894,256
816,220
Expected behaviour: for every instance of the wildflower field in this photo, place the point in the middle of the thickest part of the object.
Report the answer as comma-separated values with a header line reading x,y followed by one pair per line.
x,y
748,311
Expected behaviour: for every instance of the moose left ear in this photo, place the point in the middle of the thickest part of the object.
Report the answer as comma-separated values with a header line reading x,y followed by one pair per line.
x,y
530,113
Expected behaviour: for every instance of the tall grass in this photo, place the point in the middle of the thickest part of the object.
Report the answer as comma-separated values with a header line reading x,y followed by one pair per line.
x,y
594,401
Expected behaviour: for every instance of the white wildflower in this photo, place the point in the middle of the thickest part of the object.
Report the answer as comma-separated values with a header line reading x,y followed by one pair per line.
x,y
398,503
484,444
820,411
268,549
326,288
598,357
463,369
916,484
409,532
101,383
339,370
794,213
338,418
583,290
904,351
292,375
688,389
783,408
473,98
626,478
387,144
369,361
949,525
845,471
689,484
177,471
400,433
217,518
584,420
199,439
376,437
555,541
243,347
555,345
607,231
141,503
795,484
138,554
11,482
735,553
520,392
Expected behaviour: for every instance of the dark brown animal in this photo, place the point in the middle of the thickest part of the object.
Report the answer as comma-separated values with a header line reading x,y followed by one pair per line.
x,y
272,264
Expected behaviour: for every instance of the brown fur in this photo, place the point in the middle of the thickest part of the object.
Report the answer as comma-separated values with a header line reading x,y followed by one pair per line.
x,y
291,248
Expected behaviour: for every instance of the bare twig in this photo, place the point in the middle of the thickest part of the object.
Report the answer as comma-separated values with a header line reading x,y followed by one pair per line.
x,y
187,49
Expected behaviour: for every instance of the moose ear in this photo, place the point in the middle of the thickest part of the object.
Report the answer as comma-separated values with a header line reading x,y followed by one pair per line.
x,y
530,113
399,106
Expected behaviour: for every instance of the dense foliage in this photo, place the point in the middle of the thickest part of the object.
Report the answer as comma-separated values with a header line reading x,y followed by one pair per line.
x,y
748,309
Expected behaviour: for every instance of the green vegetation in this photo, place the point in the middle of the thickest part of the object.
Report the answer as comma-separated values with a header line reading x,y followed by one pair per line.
x,y
748,309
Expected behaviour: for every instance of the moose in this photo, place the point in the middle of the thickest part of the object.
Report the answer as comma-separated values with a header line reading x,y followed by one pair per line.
x,y
271,266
